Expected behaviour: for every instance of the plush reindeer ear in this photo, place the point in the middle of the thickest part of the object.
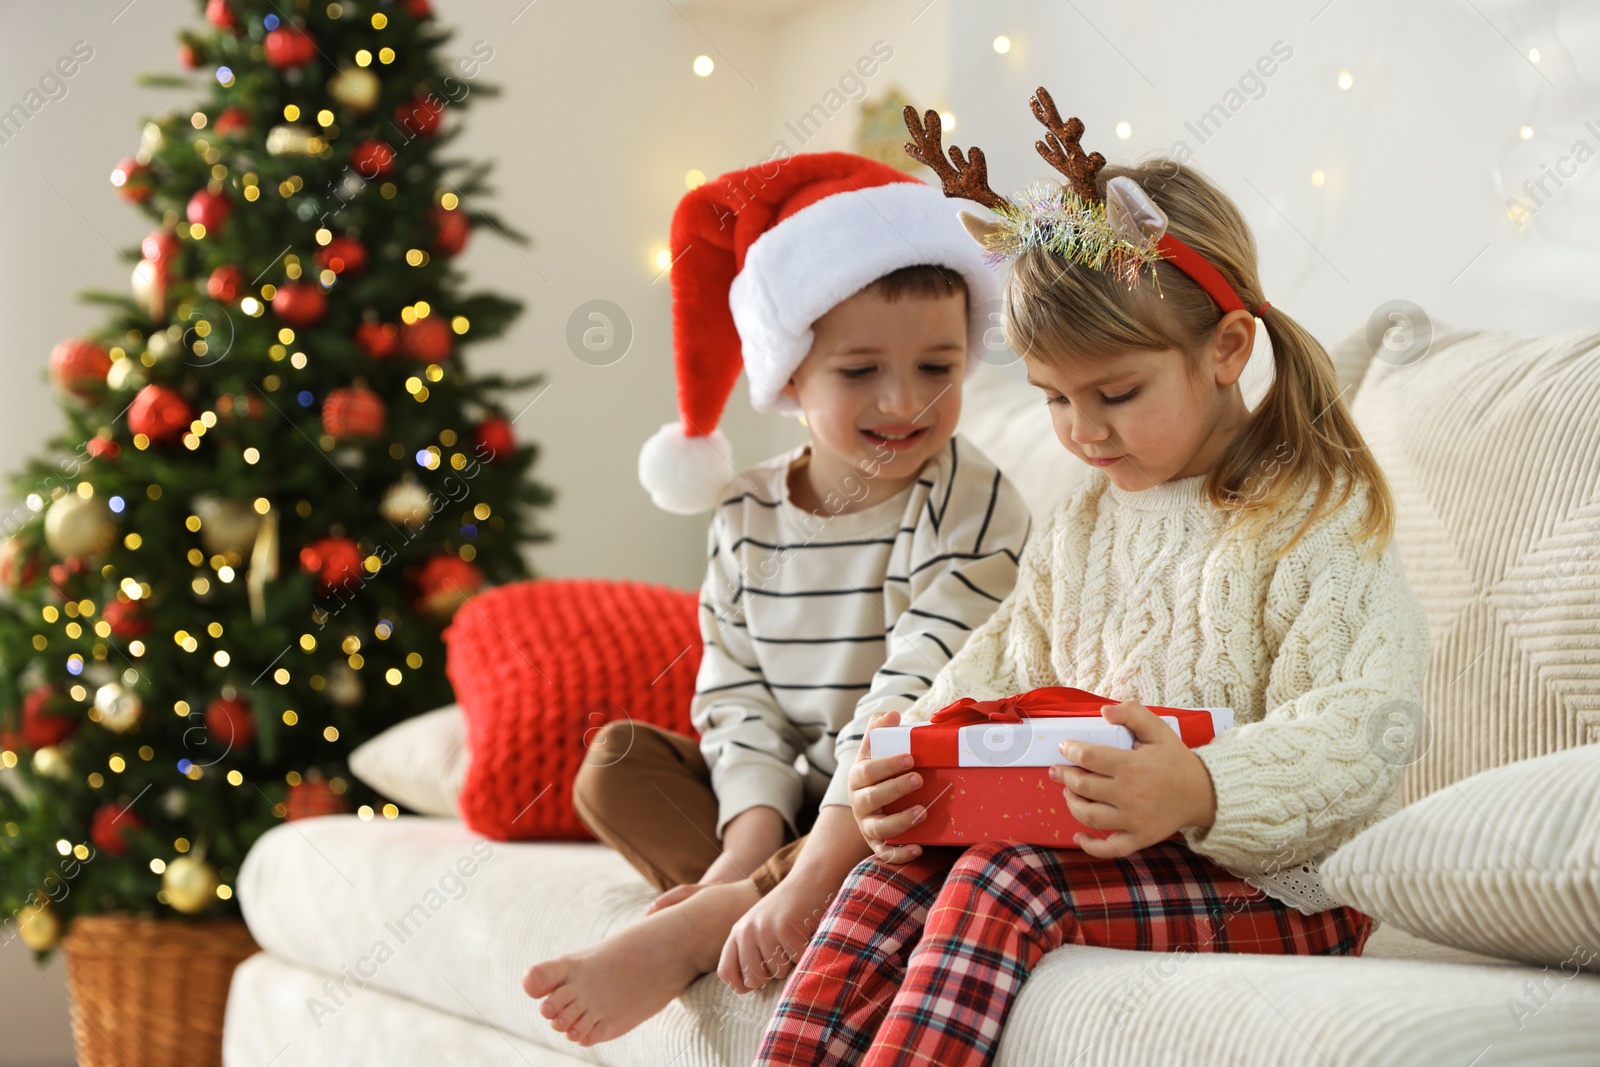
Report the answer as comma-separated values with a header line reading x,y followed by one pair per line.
x,y
979,228
1131,212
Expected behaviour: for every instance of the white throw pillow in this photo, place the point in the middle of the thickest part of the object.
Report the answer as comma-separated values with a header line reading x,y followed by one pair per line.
x,y
1504,863
419,763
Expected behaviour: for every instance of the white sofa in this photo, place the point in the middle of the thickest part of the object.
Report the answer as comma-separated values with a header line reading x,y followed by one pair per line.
x,y
403,941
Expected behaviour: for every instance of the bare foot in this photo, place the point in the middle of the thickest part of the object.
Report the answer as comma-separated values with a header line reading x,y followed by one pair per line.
x,y
605,990
676,895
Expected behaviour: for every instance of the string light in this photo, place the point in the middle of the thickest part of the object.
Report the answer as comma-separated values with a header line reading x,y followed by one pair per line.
x,y
1002,44
1346,79
703,66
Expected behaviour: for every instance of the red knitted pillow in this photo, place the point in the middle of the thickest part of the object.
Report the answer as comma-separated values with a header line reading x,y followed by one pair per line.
x,y
539,666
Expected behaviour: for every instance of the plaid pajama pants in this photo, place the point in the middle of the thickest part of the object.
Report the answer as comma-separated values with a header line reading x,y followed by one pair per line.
x,y
920,963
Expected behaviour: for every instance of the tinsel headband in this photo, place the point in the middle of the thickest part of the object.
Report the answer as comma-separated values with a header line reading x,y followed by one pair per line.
x,y
1124,233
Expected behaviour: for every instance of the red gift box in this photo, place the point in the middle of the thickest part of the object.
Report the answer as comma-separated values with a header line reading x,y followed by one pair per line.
x,y
985,764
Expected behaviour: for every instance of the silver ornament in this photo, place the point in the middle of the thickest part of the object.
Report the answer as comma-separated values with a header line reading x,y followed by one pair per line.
x,y
407,503
120,708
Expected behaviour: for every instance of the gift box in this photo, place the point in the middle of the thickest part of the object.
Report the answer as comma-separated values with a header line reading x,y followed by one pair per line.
x,y
985,764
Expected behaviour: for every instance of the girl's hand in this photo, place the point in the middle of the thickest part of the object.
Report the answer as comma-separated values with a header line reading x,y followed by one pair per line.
x,y
1144,795
877,782
770,938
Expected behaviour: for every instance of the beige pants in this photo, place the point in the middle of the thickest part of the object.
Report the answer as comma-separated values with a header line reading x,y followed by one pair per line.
x,y
646,792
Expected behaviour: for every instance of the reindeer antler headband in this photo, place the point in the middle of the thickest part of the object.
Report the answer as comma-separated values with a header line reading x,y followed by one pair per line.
x,y
1124,233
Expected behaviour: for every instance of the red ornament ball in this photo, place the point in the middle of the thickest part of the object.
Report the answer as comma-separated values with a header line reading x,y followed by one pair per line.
x,y
289,46
208,209
353,412
189,56
300,303
159,413
373,159
444,584
343,254
312,797
225,283
494,439
420,116
380,340
102,447
62,574
428,339
161,248
334,560
110,823
79,367
420,8
452,230
47,717
230,121
220,15
230,722
245,405
126,619
132,180
19,563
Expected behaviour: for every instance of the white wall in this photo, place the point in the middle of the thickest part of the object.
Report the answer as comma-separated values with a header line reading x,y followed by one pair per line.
x,y
1410,207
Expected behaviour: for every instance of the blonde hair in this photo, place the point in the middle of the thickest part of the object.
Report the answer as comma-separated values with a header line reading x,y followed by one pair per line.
x,y
1062,312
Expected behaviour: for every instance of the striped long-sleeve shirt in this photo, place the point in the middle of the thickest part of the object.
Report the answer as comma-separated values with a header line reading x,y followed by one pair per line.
x,y
814,623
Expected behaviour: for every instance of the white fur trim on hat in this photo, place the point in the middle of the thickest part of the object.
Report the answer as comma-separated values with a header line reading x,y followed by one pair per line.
x,y
685,474
830,250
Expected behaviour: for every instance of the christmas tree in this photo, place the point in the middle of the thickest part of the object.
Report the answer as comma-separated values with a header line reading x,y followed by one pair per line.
x,y
278,480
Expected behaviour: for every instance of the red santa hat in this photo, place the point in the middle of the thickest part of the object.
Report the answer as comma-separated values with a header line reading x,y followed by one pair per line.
x,y
758,255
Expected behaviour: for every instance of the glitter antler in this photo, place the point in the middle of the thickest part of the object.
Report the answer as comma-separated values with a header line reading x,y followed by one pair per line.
x,y
968,176
1061,149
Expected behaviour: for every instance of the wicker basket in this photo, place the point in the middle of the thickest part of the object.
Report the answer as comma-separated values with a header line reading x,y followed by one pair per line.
x,y
151,992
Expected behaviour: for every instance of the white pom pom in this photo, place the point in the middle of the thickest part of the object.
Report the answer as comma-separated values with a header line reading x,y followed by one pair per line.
x,y
685,474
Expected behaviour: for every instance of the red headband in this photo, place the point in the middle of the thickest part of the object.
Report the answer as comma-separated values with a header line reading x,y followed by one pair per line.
x,y
1207,277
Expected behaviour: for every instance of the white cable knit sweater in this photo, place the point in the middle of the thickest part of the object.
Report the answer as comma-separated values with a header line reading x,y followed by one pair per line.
x,y
1148,596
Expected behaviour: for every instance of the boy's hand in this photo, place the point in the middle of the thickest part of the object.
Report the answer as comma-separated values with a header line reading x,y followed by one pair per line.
x,y
877,782
1144,795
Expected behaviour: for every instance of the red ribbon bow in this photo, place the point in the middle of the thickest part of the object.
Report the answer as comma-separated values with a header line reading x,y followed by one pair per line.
x,y
1047,702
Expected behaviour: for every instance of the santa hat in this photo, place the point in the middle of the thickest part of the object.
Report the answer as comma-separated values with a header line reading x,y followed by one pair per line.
x,y
760,254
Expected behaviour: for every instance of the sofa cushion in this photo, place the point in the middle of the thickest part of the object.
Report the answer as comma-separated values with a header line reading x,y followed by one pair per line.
x,y
419,763
1506,862
539,667
276,1018
425,910
1492,448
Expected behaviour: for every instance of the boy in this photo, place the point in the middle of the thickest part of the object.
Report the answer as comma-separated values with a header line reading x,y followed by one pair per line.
x,y
842,576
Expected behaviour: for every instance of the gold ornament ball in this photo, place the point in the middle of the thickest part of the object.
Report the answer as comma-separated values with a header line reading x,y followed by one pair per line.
x,y
79,526
289,141
51,762
407,503
345,687
120,708
126,375
38,927
227,525
159,345
146,293
356,88
190,884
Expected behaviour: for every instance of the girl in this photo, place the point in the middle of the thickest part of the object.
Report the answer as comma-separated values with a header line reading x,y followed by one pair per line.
x,y
1217,557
